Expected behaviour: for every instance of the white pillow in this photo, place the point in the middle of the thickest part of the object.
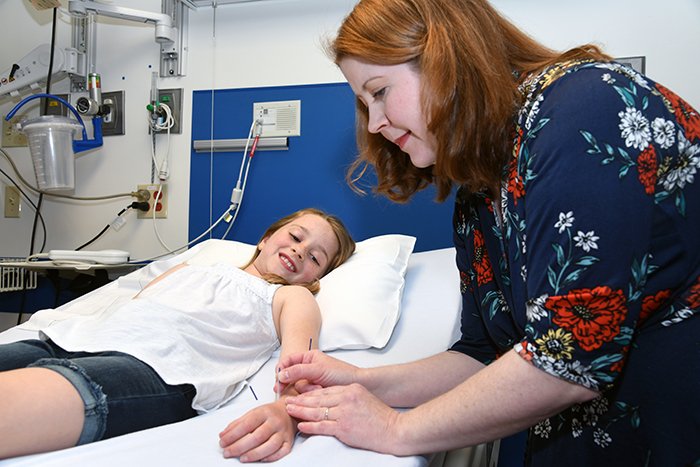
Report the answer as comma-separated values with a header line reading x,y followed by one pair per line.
x,y
360,300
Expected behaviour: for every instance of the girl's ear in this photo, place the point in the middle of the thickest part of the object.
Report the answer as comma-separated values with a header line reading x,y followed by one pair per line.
x,y
261,245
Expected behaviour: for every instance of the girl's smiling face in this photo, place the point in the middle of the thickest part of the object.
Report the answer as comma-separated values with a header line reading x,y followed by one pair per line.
x,y
392,95
299,252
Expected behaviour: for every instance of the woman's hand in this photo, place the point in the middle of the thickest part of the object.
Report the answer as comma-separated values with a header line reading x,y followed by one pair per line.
x,y
314,370
350,413
265,433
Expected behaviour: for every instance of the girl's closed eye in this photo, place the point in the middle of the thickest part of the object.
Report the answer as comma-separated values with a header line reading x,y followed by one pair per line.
x,y
379,93
314,259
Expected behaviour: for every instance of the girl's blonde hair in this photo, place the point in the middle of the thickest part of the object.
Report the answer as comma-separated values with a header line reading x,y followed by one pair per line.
x,y
470,59
346,245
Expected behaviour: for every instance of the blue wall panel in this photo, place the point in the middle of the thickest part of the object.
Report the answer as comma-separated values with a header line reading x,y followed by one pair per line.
x,y
310,173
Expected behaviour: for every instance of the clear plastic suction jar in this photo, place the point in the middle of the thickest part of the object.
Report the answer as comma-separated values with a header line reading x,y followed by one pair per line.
x,y
50,140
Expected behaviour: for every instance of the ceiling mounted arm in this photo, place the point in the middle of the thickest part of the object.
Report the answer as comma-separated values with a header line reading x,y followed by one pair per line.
x,y
170,28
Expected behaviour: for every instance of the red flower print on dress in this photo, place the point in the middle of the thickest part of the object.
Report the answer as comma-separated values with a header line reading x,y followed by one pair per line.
x,y
647,166
693,299
515,183
481,263
620,364
465,282
687,116
593,315
652,303
489,203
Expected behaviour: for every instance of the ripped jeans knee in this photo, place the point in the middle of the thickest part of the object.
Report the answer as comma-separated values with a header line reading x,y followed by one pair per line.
x,y
94,400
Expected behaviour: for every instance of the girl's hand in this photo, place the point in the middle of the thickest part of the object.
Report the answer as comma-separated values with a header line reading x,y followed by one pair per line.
x,y
265,433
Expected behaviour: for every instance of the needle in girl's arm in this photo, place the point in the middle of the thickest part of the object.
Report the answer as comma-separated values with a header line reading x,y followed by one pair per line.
x,y
277,384
277,375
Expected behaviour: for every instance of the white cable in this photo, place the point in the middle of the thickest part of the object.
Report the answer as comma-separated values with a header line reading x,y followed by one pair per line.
x,y
168,120
156,127
211,117
245,151
231,222
168,123
240,201
174,251
155,224
239,191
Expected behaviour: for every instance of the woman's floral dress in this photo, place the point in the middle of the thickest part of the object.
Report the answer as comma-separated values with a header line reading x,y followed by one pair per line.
x,y
589,266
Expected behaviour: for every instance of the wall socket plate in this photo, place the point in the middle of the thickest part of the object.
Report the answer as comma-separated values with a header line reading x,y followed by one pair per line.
x,y
160,205
11,136
12,201
173,99
113,123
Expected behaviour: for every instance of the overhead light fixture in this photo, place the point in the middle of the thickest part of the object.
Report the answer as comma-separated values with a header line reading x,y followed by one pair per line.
x,y
238,145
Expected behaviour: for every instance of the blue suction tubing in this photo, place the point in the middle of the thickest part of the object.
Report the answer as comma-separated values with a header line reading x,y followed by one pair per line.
x,y
78,146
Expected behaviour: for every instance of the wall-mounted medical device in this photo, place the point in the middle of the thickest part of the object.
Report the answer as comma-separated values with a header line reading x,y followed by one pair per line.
x,y
78,61
170,28
52,146
32,69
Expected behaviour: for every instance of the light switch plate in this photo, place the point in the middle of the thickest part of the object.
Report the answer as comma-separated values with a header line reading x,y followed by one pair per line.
x,y
12,201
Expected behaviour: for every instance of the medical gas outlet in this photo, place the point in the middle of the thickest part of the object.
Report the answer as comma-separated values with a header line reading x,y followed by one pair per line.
x,y
157,200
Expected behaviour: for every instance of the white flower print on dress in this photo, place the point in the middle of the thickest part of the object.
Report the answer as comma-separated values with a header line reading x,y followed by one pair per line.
x,y
635,128
631,73
565,221
576,428
587,240
543,429
601,438
533,112
534,309
664,132
684,171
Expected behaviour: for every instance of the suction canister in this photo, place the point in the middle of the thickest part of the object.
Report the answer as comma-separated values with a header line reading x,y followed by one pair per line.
x,y
50,140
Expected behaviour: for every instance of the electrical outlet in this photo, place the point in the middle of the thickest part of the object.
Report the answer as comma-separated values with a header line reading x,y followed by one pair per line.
x,y
173,99
160,205
12,201
113,122
11,136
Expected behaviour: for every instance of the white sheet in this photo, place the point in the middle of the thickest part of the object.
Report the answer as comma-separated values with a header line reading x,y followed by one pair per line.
x,y
429,323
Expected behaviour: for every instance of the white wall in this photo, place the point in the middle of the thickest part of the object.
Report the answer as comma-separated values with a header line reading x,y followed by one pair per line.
x,y
268,43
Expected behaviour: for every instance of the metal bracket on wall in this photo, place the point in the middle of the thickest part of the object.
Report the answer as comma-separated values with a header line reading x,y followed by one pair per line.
x,y
173,49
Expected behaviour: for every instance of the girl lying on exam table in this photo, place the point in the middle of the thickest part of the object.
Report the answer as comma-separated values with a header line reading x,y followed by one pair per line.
x,y
184,345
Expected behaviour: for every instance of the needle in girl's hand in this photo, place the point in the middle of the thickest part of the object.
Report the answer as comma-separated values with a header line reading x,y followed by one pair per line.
x,y
277,384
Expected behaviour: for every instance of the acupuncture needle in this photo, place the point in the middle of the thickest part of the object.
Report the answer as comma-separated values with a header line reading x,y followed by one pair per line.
x,y
277,375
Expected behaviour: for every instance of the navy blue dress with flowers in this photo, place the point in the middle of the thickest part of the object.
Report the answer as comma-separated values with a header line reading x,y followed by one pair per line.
x,y
589,266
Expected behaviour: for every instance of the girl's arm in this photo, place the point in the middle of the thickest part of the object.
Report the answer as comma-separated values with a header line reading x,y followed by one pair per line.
x,y
267,433
297,319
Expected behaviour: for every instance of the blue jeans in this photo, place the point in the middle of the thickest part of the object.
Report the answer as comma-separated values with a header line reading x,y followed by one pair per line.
x,y
121,393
